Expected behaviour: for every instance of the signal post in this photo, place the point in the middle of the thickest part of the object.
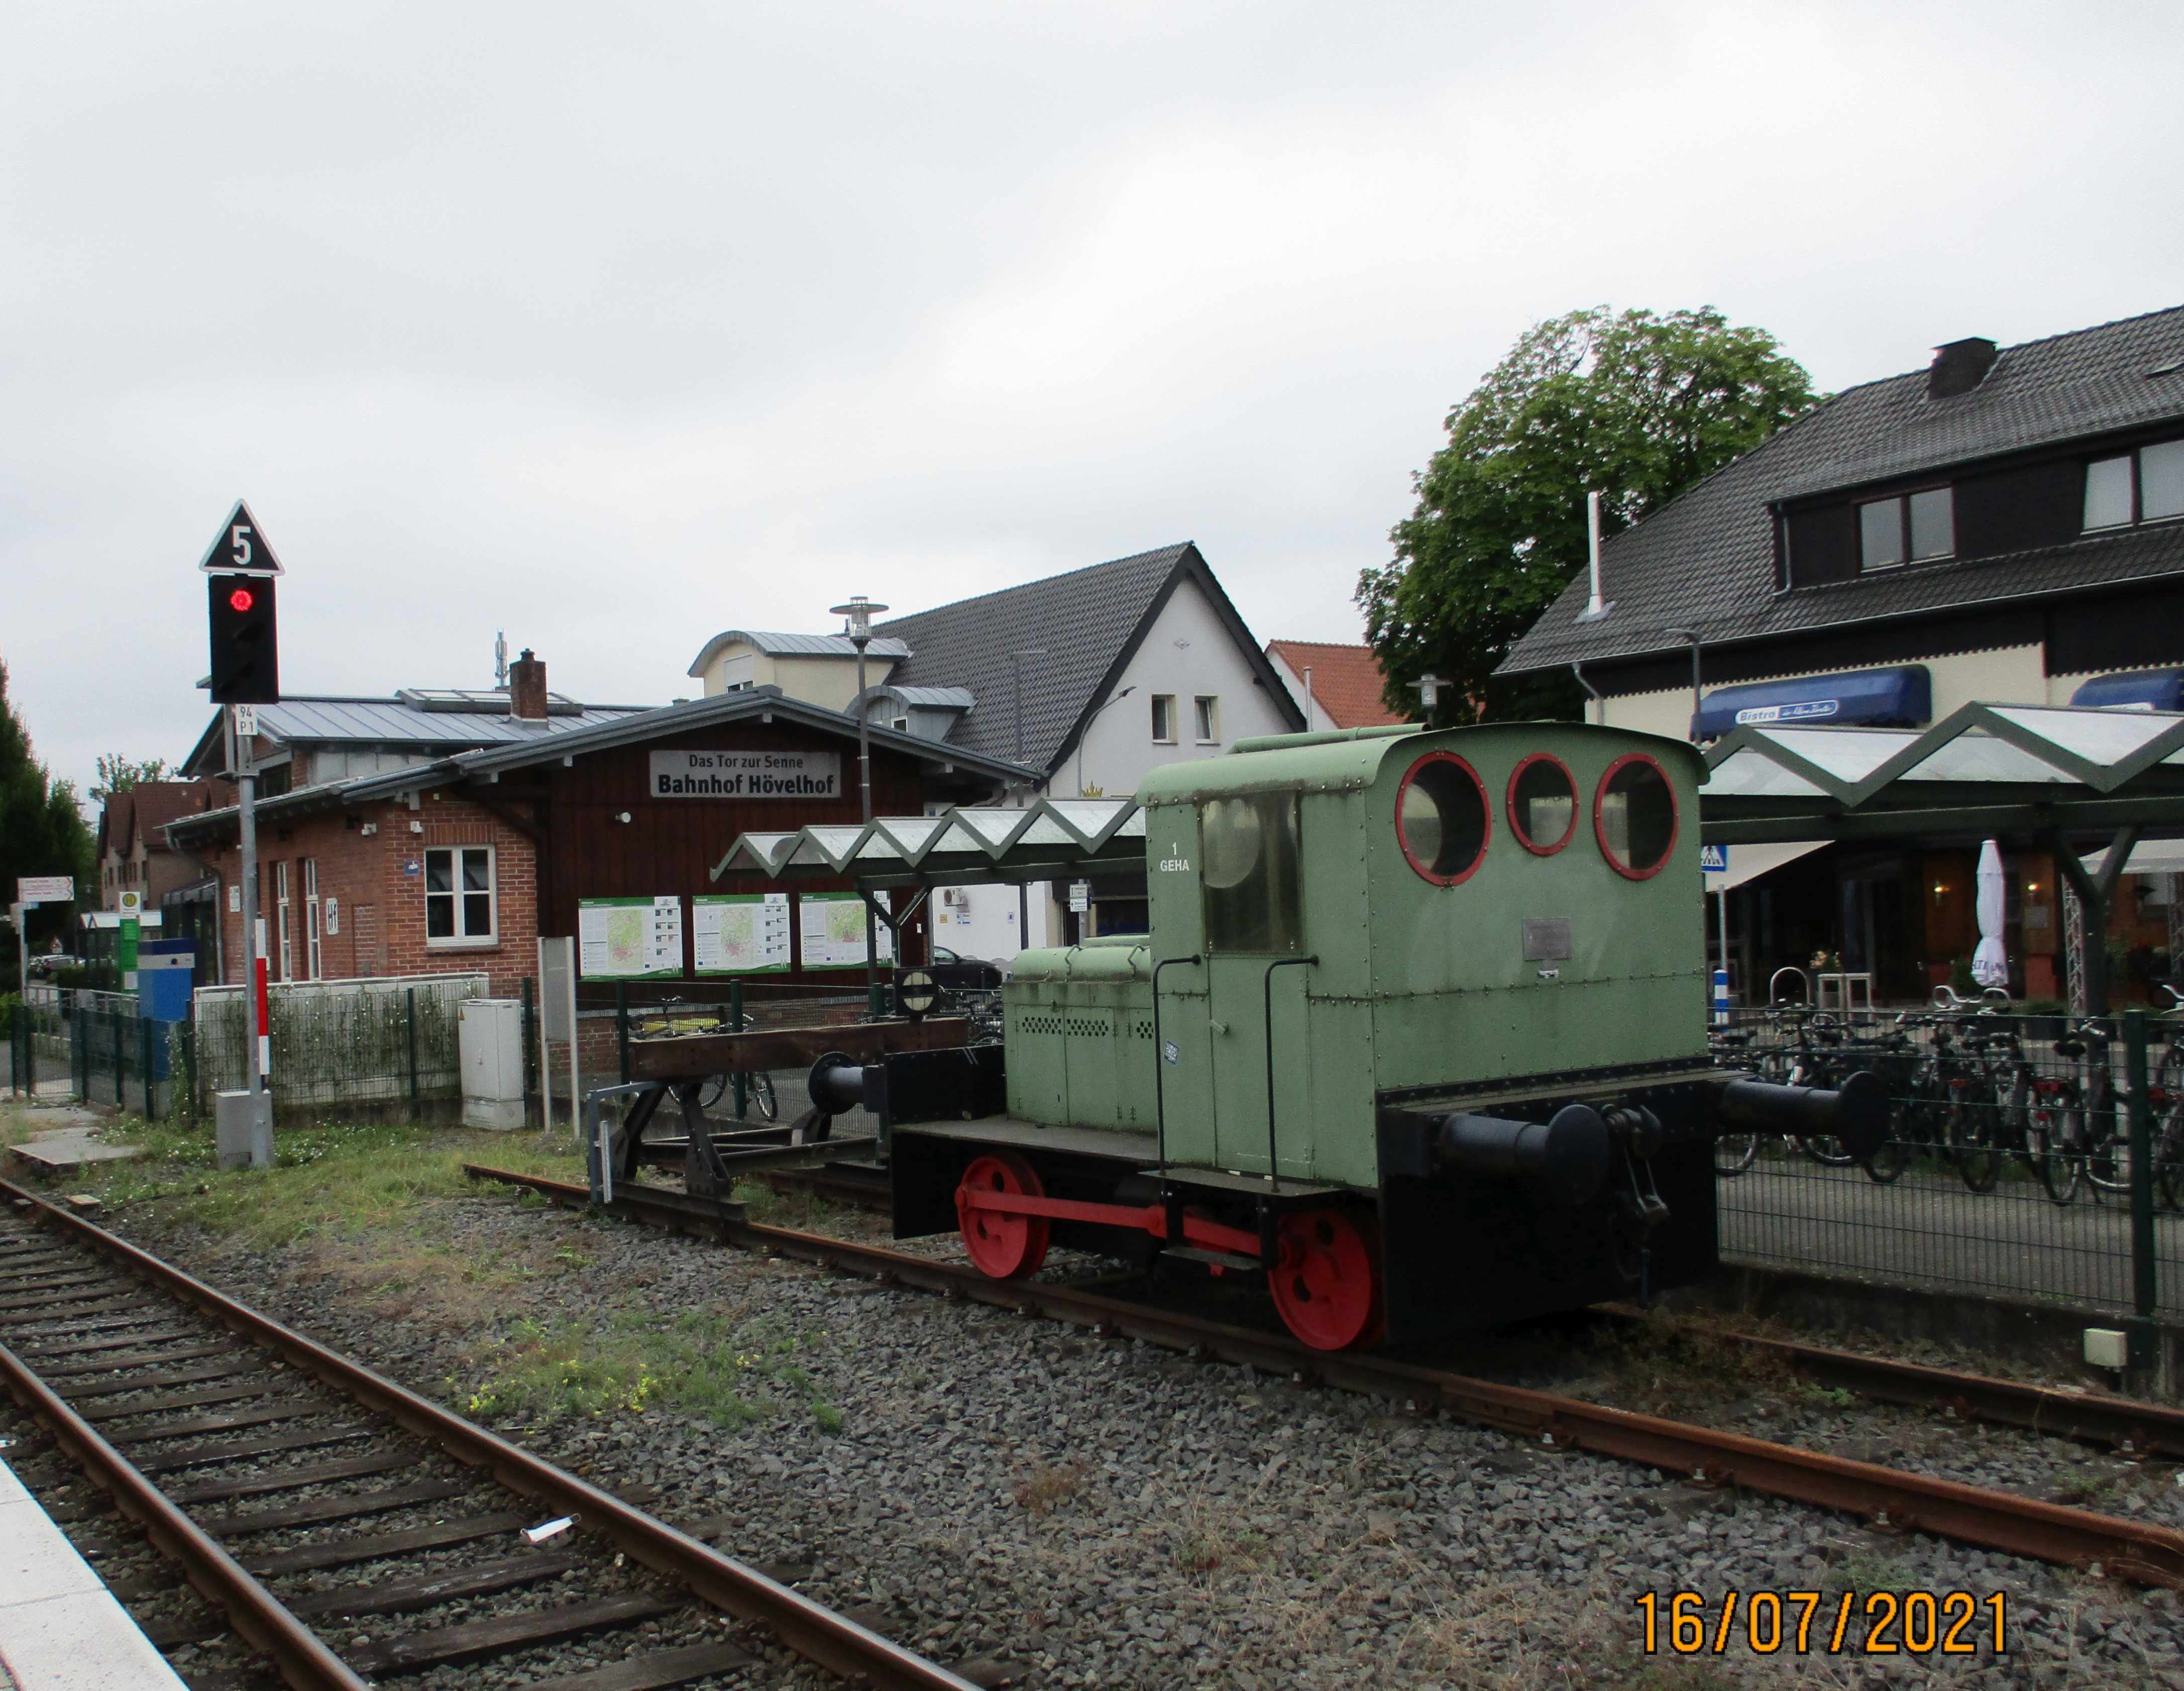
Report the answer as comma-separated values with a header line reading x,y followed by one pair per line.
x,y
241,569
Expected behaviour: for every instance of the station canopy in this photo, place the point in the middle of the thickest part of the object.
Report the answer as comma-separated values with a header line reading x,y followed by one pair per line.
x,y
1048,840
1986,770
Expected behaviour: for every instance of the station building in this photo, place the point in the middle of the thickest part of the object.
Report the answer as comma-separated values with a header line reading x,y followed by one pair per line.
x,y
2005,526
440,831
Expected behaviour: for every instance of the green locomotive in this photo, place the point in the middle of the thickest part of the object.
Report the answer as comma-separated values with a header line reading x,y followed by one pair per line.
x,y
1418,1033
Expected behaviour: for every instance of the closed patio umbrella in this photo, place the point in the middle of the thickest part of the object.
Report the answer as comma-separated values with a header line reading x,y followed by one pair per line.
x,y
1990,962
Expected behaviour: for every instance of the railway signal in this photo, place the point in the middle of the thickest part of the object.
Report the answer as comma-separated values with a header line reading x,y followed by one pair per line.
x,y
241,568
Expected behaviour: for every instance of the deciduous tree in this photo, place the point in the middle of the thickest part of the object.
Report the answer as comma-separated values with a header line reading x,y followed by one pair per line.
x,y
117,774
1639,405
41,830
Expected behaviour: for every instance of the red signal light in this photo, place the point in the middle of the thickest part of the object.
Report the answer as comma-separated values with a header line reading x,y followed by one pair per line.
x,y
240,600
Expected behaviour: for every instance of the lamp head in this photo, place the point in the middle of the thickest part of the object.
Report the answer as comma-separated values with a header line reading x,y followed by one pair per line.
x,y
858,613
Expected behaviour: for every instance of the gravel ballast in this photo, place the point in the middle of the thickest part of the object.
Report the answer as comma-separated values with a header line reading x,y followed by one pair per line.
x,y
1013,1494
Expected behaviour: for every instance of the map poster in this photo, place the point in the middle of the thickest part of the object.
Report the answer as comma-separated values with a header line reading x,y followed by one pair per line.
x,y
740,933
832,925
621,937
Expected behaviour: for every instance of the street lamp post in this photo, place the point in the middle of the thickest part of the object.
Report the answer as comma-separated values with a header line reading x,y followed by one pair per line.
x,y
1081,738
859,612
1693,635
1017,659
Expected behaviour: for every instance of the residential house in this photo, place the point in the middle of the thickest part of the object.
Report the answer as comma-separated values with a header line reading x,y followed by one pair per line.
x,y
1084,681
1335,686
2005,526
134,857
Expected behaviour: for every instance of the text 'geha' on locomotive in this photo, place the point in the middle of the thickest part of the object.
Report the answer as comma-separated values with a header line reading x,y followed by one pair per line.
x,y
1418,1032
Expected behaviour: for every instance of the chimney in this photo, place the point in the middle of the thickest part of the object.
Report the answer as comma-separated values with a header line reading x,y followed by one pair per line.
x,y
1960,367
527,689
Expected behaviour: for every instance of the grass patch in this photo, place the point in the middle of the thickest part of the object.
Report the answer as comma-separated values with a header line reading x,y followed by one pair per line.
x,y
333,1180
1209,1537
1048,1485
1669,1367
727,1372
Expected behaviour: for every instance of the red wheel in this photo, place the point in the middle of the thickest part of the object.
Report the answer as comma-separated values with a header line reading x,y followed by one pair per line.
x,y
1326,1284
1002,1247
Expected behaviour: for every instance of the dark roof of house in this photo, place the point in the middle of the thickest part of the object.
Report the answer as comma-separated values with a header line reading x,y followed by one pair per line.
x,y
139,812
1706,560
1346,681
1088,623
490,761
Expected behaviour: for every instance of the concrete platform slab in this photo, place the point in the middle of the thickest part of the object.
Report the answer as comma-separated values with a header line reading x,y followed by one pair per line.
x,y
62,1148
60,1629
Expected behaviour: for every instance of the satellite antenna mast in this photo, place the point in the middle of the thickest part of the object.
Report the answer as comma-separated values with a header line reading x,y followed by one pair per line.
x,y
500,657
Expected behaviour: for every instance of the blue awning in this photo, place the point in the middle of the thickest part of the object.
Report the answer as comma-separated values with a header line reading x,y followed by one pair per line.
x,y
1899,697
2140,689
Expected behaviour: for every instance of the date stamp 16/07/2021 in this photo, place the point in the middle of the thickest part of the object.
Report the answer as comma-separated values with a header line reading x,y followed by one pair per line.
x,y
1819,1623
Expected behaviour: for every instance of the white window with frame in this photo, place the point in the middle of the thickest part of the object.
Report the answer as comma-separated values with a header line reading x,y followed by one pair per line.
x,y
461,906
2145,485
1205,712
281,889
313,955
1163,719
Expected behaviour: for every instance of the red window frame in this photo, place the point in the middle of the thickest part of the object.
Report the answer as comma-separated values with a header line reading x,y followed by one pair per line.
x,y
1486,813
1599,825
1517,828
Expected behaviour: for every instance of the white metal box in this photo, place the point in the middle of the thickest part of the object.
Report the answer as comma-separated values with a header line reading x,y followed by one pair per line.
x,y
490,1036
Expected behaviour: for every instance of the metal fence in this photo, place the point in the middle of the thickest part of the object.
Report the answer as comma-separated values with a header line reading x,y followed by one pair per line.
x,y
73,1043
40,1061
385,1043
2036,1158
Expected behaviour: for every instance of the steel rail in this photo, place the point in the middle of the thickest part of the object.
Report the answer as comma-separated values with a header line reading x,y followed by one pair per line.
x,y
2125,1423
811,1629
1996,1521
301,1657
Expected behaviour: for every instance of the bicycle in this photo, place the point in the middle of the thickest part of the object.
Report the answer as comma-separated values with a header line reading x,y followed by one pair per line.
x,y
2165,1093
1733,1153
677,1022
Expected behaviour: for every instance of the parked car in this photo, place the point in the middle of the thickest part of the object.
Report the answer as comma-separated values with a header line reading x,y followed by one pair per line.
x,y
957,973
52,962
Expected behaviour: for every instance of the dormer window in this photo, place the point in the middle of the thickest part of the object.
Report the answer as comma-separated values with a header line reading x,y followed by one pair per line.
x,y
2144,486
1914,527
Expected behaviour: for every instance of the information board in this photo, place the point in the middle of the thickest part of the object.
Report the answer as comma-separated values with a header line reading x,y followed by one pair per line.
x,y
740,933
832,926
617,938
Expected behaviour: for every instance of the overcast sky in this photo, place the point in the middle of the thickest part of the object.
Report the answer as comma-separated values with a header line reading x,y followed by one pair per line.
x,y
614,327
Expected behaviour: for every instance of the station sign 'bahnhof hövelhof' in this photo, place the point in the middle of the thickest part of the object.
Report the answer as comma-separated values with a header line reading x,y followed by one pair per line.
x,y
746,775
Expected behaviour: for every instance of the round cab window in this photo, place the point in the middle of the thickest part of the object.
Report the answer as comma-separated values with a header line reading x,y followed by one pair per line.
x,y
1542,804
1440,818
1635,816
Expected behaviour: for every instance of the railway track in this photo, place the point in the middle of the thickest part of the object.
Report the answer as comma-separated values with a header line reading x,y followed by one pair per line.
x,y
2146,1553
267,1470
2126,1425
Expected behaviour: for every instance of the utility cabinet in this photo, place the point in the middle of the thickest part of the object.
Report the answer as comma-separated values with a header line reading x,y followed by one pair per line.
x,y
489,1038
